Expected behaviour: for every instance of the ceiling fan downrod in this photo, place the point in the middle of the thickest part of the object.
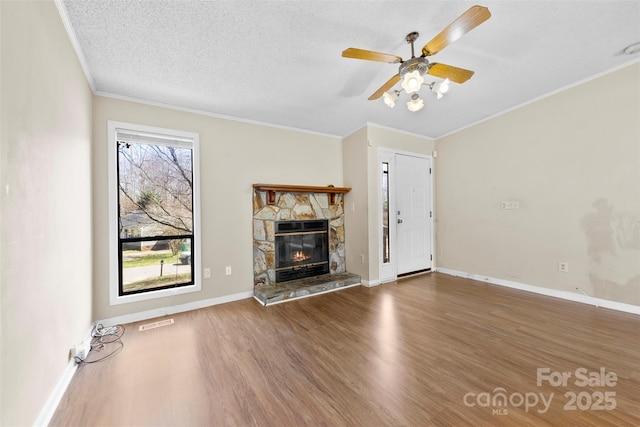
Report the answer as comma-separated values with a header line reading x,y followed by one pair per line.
x,y
411,37
419,64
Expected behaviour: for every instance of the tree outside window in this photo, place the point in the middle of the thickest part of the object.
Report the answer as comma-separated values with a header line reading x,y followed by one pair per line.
x,y
155,213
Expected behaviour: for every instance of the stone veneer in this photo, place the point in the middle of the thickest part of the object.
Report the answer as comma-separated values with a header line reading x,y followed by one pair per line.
x,y
293,206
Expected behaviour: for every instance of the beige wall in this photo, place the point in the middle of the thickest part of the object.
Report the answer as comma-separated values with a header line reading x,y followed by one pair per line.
x,y
572,161
45,240
356,203
233,156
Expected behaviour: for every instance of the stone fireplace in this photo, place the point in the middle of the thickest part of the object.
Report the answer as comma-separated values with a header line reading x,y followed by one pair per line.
x,y
298,211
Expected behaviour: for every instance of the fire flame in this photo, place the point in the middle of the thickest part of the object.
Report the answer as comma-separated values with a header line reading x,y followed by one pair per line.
x,y
299,256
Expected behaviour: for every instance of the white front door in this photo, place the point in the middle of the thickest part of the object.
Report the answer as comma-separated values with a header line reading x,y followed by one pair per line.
x,y
413,213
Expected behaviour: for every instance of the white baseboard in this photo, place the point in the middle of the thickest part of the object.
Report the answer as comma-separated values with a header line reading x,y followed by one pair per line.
x,y
50,406
570,296
371,283
164,311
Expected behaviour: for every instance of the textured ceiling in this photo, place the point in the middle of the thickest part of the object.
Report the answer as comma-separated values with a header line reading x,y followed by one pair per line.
x,y
279,62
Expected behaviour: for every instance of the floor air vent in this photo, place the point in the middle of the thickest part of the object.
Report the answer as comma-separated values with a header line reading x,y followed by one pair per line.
x,y
157,324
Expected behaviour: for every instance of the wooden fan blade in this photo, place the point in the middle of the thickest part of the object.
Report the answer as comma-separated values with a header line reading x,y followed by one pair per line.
x,y
466,22
370,55
455,74
385,87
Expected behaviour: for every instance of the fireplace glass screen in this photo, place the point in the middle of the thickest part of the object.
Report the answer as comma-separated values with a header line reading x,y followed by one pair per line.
x,y
301,249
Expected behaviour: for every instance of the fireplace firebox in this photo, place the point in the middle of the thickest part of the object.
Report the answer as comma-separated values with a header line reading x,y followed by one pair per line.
x,y
301,249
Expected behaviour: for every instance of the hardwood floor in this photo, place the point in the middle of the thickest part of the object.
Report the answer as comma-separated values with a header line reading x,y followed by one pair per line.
x,y
409,353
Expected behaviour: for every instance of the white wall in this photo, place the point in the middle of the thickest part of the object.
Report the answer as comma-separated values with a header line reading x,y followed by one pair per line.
x,y
234,155
45,197
572,161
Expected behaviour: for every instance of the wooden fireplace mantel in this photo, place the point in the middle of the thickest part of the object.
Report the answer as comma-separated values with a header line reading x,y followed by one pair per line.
x,y
271,190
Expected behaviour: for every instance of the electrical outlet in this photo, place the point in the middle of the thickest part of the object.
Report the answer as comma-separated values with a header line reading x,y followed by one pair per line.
x,y
80,350
206,273
563,266
227,270
510,205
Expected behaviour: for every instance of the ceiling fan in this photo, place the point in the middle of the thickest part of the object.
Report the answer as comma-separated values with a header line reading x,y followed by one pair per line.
x,y
412,70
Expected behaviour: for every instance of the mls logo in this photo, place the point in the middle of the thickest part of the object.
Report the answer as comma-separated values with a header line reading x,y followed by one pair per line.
x,y
500,411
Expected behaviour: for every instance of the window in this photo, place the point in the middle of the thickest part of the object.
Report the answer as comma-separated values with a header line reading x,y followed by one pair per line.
x,y
154,215
386,251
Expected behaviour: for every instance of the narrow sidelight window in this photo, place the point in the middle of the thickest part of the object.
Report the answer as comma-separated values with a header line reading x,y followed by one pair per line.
x,y
386,258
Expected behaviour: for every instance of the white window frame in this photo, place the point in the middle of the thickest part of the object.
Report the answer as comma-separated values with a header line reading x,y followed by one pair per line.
x,y
387,271
188,137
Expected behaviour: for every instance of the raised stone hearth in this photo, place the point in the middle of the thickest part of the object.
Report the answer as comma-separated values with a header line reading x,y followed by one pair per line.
x,y
273,203
294,289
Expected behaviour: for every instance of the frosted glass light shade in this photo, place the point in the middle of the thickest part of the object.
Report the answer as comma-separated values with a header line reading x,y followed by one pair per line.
x,y
440,88
412,82
415,104
443,87
389,100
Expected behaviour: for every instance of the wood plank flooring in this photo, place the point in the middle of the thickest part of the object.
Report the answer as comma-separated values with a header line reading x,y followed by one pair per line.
x,y
408,353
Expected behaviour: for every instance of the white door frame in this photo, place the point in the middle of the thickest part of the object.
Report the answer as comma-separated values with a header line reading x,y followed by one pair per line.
x,y
388,271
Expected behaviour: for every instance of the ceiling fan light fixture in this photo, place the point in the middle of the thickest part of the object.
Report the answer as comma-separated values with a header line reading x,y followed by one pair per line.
x,y
411,72
443,87
415,104
412,81
440,88
389,100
